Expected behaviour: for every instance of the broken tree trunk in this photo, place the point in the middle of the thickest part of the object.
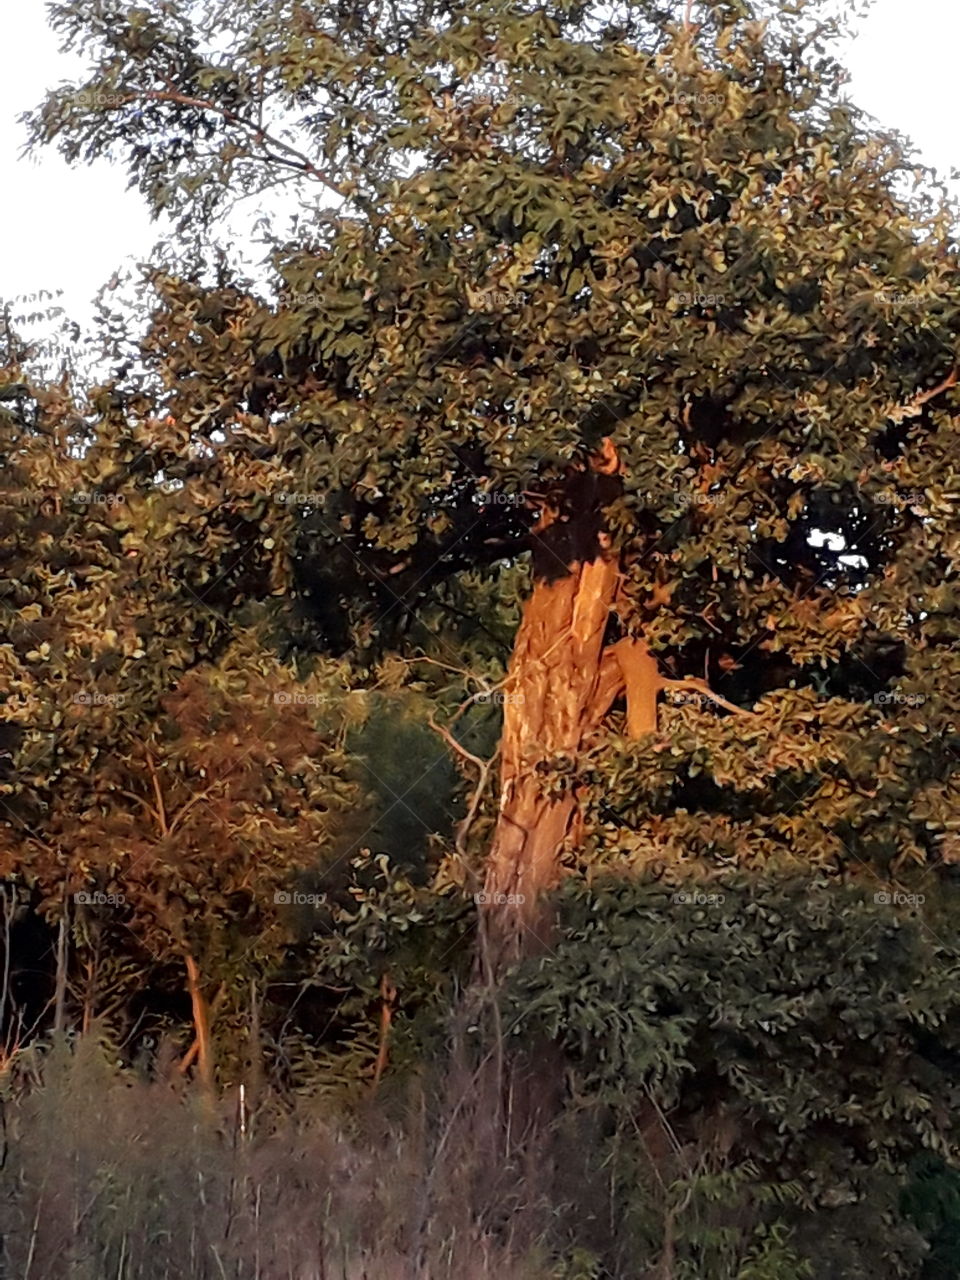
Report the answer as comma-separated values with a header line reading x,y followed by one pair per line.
x,y
554,683
562,679
568,667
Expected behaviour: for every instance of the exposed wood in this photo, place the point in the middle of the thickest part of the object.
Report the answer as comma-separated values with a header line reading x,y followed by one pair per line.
x,y
643,682
564,675
201,1023
609,686
557,681
388,995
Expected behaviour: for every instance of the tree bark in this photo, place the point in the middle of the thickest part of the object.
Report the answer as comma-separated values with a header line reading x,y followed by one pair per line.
x,y
554,683
201,1026
562,679
60,997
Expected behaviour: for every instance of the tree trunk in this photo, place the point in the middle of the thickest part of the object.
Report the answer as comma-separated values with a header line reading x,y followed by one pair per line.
x,y
60,996
201,1026
562,680
555,684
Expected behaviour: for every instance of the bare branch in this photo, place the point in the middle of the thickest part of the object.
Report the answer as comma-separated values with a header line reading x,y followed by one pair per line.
x,y
293,158
901,411
483,767
161,813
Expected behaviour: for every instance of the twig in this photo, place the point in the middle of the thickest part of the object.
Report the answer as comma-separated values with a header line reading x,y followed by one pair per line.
x,y
484,692
451,741
912,407
201,795
161,812
476,697
141,801
298,159
483,767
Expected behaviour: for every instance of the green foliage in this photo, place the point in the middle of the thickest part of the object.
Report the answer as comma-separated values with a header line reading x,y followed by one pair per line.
x,y
932,1202
552,226
798,1026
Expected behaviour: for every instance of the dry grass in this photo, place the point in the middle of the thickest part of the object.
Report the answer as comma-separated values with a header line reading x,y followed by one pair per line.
x,y
108,1176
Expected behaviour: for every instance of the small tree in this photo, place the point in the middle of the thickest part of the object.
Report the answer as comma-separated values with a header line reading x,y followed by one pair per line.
x,y
167,774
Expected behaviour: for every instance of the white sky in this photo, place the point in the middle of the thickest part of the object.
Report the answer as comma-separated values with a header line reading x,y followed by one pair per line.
x,y
70,229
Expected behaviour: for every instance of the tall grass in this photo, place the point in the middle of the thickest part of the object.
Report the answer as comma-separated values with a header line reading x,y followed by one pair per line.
x,y
110,1176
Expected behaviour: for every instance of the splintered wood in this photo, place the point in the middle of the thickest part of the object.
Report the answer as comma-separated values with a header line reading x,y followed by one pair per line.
x,y
562,681
565,674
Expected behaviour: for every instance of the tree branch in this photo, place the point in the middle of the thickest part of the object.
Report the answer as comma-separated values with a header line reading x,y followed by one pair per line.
x,y
483,767
161,813
298,159
913,407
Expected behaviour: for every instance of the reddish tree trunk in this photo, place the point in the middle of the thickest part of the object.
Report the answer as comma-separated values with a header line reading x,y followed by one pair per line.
x,y
561,682
201,1025
554,683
